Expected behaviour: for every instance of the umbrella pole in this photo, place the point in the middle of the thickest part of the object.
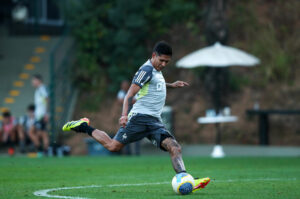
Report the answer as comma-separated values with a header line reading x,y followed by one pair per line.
x,y
217,90
217,105
218,151
218,134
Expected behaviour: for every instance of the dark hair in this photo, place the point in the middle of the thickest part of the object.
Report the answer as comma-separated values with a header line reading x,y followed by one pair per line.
x,y
38,76
30,107
162,48
6,114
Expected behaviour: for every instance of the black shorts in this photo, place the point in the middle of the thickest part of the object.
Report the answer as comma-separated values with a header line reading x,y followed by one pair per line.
x,y
41,125
140,126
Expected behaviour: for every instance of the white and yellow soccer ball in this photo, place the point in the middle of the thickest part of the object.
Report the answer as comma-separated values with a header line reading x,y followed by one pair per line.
x,y
183,183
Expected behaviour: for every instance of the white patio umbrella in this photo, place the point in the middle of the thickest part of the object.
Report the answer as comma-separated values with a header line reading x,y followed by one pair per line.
x,y
217,55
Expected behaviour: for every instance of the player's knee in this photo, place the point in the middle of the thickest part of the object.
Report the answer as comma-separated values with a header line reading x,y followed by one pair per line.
x,y
114,148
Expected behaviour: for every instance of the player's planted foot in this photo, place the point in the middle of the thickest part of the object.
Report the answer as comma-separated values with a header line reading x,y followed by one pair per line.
x,y
200,183
78,126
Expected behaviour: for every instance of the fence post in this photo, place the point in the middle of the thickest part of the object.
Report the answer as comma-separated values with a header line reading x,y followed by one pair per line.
x,y
52,97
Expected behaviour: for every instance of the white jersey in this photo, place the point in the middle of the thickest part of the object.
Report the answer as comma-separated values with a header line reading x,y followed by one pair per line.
x,y
152,95
40,102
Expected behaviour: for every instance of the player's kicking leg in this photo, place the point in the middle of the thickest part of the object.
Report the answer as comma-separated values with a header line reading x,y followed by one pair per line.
x,y
172,146
82,126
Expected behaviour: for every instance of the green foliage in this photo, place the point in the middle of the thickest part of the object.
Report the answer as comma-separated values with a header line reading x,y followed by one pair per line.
x,y
114,37
276,63
242,22
237,81
271,37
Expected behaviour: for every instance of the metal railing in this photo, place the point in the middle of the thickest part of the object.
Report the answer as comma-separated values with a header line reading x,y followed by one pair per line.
x,y
61,90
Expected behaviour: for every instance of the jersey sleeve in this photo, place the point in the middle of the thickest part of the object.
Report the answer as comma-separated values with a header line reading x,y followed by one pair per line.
x,y
44,92
143,76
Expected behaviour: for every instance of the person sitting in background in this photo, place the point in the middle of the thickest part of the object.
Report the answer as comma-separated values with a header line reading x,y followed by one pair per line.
x,y
8,131
26,128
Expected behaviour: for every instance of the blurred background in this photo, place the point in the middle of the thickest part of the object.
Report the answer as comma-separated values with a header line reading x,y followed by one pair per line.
x,y
86,51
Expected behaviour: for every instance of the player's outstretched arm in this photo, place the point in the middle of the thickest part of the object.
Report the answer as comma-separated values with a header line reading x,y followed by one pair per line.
x,y
177,84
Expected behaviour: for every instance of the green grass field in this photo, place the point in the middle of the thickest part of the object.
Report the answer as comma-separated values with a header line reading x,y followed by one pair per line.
x,y
138,177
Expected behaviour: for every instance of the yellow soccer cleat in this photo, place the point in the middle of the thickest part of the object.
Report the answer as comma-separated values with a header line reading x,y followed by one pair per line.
x,y
200,183
76,125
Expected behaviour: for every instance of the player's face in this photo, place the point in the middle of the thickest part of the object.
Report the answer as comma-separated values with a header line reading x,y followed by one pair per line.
x,y
30,113
35,82
160,61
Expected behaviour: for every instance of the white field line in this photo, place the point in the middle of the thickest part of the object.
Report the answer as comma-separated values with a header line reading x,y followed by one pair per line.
x,y
45,192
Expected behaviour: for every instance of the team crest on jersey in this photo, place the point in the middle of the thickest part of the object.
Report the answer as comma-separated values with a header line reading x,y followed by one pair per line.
x,y
159,86
124,136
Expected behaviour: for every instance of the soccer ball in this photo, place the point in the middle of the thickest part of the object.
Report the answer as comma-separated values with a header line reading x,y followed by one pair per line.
x,y
183,183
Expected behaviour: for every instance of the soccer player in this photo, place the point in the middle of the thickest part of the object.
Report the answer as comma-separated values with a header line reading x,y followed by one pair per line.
x,y
144,119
